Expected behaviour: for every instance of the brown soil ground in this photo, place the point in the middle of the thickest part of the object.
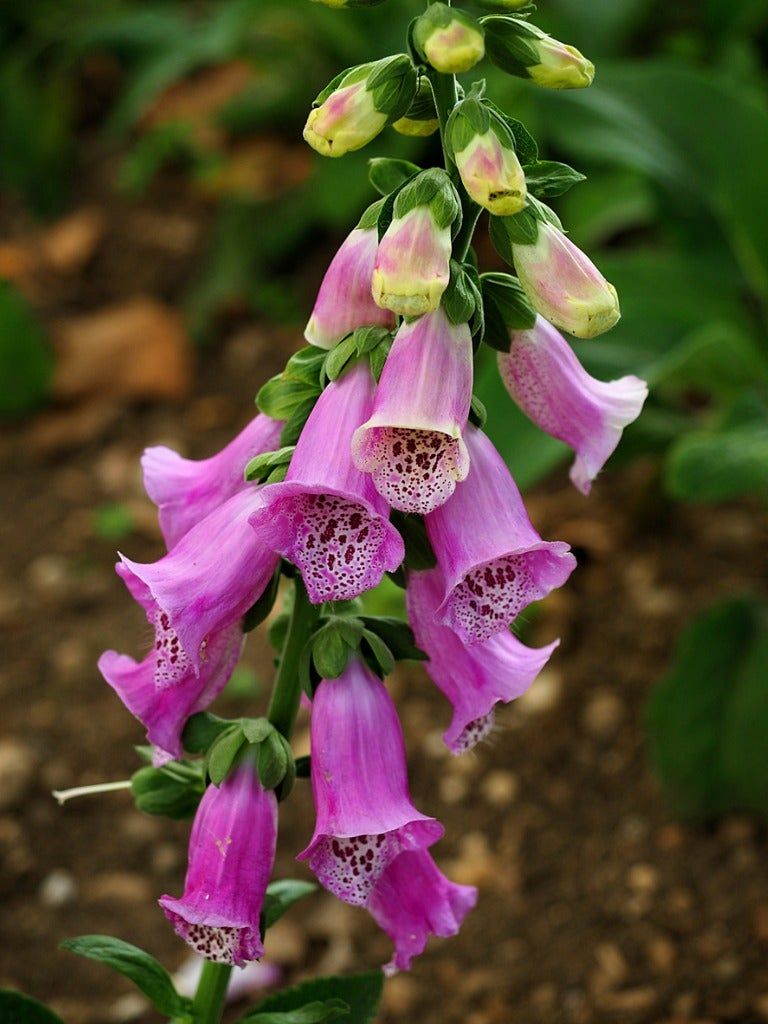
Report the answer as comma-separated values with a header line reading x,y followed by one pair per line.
x,y
596,905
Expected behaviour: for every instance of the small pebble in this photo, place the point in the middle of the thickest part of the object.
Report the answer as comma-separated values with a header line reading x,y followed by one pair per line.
x,y
57,889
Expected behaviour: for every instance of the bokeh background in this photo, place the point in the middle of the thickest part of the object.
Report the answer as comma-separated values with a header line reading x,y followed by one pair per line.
x,y
163,230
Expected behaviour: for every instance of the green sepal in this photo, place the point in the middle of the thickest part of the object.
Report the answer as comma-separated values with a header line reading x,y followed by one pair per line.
x,y
381,658
258,612
507,308
387,174
393,82
330,651
202,730
377,357
256,729
397,635
291,432
470,117
147,974
509,43
546,178
362,992
280,897
173,790
371,216
525,145
362,341
432,188
261,466
520,229
460,297
478,414
272,760
418,550
18,1008
221,756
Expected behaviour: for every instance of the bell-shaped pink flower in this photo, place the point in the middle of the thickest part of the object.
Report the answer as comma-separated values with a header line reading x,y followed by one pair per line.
x,y
365,818
164,710
412,263
326,516
412,444
231,853
413,900
474,679
543,375
204,585
564,285
344,301
187,490
493,561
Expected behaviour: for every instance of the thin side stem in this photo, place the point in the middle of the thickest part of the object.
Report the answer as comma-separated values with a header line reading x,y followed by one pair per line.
x,y
286,694
208,1003
62,795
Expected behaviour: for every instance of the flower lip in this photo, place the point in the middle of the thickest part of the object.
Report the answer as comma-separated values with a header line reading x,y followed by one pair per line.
x,y
214,937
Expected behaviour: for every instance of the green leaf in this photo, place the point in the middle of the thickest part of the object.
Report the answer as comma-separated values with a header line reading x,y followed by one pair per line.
x,y
16,1008
715,466
202,730
397,635
258,612
222,754
311,1013
143,970
280,897
272,761
26,364
281,396
386,175
261,466
418,550
337,359
330,652
549,178
362,992
167,791
707,719
292,430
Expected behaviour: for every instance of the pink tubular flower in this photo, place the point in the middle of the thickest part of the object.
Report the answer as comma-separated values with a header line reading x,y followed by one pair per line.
x,y
231,851
493,561
564,285
326,516
203,586
186,491
412,263
164,710
413,900
344,301
552,388
474,679
365,818
412,443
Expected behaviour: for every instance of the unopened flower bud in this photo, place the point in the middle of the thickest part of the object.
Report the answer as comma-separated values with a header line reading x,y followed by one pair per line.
x,y
359,103
520,48
449,39
420,119
564,285
412,267
484,151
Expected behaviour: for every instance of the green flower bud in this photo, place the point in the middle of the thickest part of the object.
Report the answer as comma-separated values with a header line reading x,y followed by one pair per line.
x,y
520,48
421,118
449,39
359,103
484,151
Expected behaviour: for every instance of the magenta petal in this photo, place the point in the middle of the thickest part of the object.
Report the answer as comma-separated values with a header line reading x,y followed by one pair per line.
x,y
231,852
205,584
413,900
412,443
327,517
493,561
365,817
164,711
344,301
552,388
186,491
476,678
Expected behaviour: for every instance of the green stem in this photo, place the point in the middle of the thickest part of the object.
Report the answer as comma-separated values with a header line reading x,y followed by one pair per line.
x,y
286,694
208,1003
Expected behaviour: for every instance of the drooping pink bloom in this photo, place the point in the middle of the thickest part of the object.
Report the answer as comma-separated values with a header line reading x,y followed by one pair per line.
x,y
326,516
231,852
344,301
413,900
412,444
543,375
164,710
204,585
564,285
493,561
187,490
474,679
365,817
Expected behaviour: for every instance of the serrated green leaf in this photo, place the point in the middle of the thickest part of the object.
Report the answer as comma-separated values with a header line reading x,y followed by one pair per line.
x,y
362,992
149,976
17,1008
547,178
222,754
280,897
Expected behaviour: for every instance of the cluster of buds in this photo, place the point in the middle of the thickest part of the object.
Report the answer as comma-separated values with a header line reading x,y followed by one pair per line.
x,y
369,458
